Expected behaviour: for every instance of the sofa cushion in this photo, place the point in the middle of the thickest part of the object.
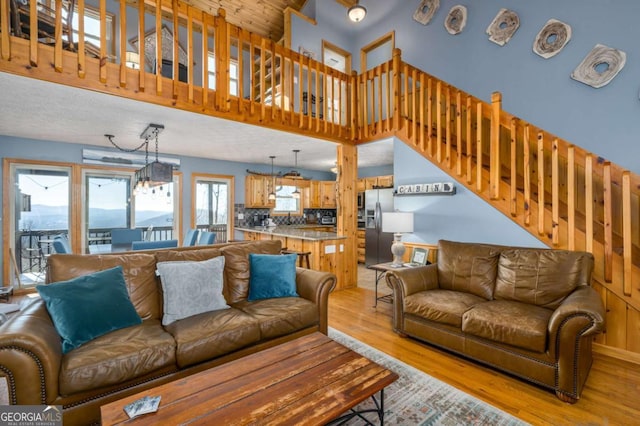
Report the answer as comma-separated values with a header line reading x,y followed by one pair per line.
x,y
118,357
272,275
443,306
190,288
89,306
278,317
512,323
539,276
209,335
236,271
139,273
469,268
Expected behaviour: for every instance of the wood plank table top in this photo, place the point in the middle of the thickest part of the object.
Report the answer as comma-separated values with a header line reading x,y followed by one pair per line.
x,y
309,380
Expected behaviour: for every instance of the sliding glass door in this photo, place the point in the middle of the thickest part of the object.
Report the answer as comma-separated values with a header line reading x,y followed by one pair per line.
x,y
213,204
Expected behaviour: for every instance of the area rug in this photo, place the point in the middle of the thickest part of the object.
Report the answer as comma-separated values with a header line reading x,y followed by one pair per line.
x,y
419,399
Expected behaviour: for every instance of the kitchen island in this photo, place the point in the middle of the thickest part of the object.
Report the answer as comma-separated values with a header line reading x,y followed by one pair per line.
x,y
326,248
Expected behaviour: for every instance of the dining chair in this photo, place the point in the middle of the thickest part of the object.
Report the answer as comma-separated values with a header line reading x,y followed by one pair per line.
x,y
61,244
148,245
125,235
206,238
191,238
149,233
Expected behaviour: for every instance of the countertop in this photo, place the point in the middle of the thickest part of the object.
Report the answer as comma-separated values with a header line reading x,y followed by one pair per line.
x,y
294,231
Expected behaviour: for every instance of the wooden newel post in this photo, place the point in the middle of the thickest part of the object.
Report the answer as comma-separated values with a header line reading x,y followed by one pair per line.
x,y
494,172
397,81
353,104
222,61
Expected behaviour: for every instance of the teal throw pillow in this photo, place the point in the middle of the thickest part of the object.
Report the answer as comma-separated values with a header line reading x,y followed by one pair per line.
x,y
272,275
89,306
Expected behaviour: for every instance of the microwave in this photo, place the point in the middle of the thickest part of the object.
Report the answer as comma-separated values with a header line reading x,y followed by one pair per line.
x,y
360,200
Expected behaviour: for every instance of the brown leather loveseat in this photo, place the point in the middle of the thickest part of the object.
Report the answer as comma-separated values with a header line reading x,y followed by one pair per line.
x,y
530,312
139,357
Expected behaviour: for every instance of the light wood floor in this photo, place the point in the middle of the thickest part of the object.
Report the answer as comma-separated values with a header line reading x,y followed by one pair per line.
x,y
611,396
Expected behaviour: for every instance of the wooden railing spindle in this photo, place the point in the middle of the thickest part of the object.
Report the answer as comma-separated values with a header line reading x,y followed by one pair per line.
x,y
494,149
469,151
141,45
588,208
447,119
5,46
526,160
414,103
458,133
555,193
158,46
33,32
439,121
608,218
571,198
479,117
423,118
513,181
57,49
541,208
429,120
627,234
123,42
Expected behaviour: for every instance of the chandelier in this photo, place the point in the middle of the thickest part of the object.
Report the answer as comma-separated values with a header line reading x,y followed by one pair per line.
x,y
153,173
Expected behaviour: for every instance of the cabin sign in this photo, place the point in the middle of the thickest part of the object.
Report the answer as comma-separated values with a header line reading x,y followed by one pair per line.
x,y
440,188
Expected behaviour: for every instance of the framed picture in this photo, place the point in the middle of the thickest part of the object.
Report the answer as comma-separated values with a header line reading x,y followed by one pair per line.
x,y
307,52
419,256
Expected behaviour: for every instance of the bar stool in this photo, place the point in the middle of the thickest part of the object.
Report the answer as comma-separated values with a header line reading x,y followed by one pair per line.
x,y
302,256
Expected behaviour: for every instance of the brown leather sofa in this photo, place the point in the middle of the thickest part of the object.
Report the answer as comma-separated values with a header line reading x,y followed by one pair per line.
x,y
530,312
136,358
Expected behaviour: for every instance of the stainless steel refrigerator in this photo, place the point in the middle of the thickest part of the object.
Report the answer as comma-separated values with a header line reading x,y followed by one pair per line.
x,y
377,243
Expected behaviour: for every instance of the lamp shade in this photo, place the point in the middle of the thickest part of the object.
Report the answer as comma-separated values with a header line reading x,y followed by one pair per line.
x,y
397,222
356,13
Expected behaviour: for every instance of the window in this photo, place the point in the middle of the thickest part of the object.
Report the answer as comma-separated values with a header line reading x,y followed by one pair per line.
x,y
92,28
39,211
285,200
233,75
213,205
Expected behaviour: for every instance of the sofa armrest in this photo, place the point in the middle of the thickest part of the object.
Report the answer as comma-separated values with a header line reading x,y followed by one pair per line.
x,y
315,286
583,302
405,282
30,356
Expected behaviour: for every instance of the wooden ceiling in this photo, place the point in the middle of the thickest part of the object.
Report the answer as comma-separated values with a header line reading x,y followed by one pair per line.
x,y
263,17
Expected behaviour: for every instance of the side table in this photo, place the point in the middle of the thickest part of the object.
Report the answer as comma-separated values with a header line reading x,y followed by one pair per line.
x,y
381,269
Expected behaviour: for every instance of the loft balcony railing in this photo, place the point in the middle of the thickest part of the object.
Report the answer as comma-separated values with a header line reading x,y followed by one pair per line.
x,y
565,196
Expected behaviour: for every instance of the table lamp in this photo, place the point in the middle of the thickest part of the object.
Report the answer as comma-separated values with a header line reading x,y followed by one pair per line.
x,y
398,223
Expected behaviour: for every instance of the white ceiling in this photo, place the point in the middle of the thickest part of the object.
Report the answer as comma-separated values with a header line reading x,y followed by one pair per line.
x,y
35,109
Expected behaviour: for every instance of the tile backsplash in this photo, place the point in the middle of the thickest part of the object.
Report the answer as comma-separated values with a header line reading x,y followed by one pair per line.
x,y
279,220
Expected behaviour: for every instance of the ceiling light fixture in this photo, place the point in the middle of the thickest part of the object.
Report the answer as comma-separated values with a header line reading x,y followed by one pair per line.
x,y
272,194
152,174
357,12
296,193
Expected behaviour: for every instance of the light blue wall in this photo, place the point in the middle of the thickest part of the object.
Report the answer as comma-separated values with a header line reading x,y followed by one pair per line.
x,y
364,172
460,217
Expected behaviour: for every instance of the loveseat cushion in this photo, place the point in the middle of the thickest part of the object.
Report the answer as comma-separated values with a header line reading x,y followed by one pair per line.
x,y
470,268
512,323
212,334
236,270
541,277
443,306
117,357
281,316
139,273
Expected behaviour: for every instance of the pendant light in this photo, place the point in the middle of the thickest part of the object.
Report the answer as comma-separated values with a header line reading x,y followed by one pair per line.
x,y
272,194
357,12
296,193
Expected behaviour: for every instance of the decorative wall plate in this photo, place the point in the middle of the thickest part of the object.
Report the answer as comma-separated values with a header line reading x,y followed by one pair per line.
x,y
600,66
456,19
426,10
503,26
552,38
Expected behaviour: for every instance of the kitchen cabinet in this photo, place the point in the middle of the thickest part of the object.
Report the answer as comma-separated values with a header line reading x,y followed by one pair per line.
x,y
361,185
385,181
328,194
311,195
361,245
257,190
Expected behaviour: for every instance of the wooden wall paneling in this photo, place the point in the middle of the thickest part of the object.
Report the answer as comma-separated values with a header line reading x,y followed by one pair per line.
x,y
633,330
616,318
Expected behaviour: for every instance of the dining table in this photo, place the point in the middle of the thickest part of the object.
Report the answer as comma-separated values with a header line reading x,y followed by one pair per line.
x,y
109,248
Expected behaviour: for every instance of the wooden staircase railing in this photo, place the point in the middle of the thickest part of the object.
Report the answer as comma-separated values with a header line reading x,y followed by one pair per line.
x,y
563,195
566,197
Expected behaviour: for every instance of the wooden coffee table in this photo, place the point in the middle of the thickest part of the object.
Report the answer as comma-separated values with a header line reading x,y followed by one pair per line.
x,y
310,380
